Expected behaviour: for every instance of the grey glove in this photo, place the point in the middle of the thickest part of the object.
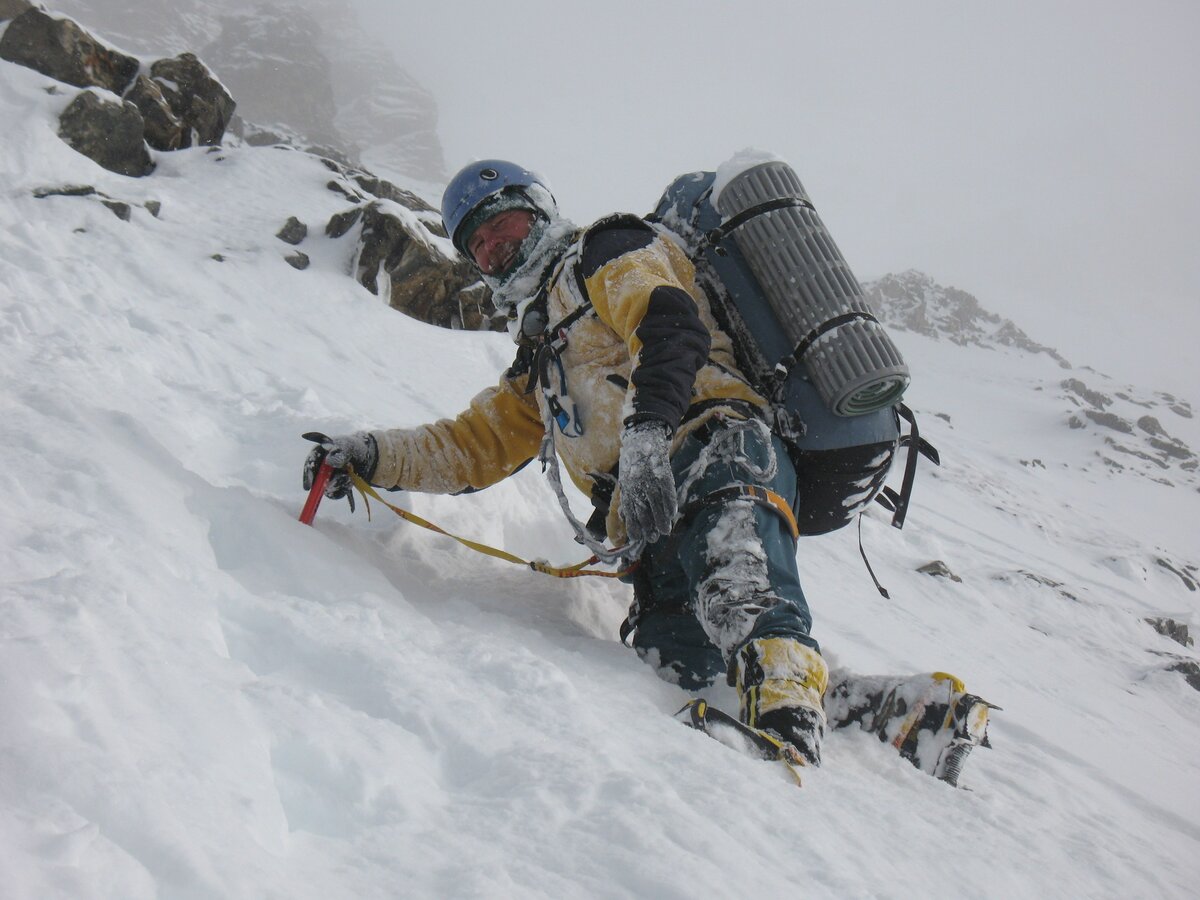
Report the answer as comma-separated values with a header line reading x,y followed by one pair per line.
x,y
357,451
648,505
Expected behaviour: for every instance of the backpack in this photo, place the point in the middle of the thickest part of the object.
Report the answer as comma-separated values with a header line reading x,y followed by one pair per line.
x,y
803,335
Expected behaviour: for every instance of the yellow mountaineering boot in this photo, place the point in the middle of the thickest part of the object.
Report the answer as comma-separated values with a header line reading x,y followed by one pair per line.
x,y
781,683
929,718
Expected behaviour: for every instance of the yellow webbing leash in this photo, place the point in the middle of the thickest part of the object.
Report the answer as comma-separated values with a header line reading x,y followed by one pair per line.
x,y
545,568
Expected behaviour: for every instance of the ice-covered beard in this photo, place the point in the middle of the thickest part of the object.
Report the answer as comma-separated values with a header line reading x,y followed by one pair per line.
x,y
508,258
536,256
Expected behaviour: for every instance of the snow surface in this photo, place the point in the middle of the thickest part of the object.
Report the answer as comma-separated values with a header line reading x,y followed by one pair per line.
x,y
200,697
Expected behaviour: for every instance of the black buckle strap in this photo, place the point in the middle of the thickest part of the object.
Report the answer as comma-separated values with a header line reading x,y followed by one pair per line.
x,y
714,237
897,502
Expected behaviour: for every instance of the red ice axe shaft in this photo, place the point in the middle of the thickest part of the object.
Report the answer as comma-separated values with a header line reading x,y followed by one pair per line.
x,y
316,493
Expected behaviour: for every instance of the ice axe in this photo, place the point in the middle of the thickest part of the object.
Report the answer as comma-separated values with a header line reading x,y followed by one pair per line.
x,y
316,493
320,479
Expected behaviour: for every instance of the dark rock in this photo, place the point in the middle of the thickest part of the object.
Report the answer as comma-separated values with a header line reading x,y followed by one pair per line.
x,y
1137,454
1151,425
293,231
121,210
420,280
163,129
1134,400
1172,447
1190,670
1109,420
10,9
939,569
342,222
1185,573
297,260
218,257
338,188
197,99
1094,399
72,190
64,51
154,207
108,133
1048,582
385,190
1176,631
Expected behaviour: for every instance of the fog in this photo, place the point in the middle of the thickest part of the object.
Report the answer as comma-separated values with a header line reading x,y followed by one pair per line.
x,y
1041,155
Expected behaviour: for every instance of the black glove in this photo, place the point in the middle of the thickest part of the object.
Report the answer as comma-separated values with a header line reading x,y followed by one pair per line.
x,y
648,505
357,451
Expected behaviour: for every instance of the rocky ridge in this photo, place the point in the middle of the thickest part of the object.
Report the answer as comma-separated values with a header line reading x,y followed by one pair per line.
x,y
912,301
302,75
130,108
1130,429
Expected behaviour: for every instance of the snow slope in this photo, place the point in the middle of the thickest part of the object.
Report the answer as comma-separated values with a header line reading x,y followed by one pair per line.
x,y
199,697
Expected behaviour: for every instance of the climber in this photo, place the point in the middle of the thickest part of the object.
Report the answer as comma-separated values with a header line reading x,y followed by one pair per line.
x,y
621,360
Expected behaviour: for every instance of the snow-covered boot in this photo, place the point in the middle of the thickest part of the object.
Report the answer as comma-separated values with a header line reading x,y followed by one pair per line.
x,y
781,683
930,719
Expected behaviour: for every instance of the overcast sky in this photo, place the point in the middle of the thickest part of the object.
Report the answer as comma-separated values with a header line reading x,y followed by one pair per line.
x,y
1043,156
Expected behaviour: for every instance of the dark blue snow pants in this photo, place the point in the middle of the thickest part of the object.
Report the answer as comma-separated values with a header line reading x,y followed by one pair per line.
x,y
727,574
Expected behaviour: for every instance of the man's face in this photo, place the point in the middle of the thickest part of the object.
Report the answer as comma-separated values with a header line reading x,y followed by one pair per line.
x,y
494,244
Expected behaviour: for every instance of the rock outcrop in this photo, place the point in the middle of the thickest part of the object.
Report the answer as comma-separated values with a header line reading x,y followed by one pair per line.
x,y
399,251
912,301
402,254
1132,430
64,51
177,104
109,132
310,75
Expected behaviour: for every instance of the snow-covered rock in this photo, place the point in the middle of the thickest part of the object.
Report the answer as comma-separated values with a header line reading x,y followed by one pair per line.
x,y
1128,428
913,301
304,73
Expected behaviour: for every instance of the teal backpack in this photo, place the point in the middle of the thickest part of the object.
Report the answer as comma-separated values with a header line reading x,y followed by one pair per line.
x,y
803,334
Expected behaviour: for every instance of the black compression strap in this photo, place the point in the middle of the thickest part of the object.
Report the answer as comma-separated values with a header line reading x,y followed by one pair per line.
x,y
917,446
883,592
820,331
722,231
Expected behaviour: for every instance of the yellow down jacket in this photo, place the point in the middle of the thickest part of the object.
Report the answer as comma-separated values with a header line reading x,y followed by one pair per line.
x,y
649,347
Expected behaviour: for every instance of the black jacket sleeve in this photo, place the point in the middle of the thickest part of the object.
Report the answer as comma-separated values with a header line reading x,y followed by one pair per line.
x,y
674,341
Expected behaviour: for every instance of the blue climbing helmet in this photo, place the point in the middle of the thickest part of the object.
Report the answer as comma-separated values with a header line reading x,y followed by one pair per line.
x,y
489,186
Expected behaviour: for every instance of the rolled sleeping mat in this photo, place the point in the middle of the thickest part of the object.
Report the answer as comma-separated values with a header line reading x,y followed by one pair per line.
x,y
846,352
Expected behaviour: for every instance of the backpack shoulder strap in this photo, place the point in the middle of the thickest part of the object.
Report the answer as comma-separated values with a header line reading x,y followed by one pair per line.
x,y
602,242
